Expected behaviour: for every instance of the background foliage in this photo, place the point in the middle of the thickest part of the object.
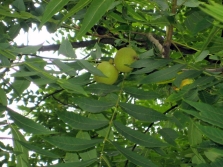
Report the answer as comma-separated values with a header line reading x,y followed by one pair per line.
x,y
141,120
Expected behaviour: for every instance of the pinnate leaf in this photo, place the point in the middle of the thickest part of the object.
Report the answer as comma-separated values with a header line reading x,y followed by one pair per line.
x,y
138,137
28,125
77,121
134,157
71,143
142,113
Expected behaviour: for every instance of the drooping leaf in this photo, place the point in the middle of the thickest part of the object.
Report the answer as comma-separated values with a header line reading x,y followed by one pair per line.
x,y
27,49
169,135
88,66
94,13
19,86
67,85
149,65
80,5
89,154
141,94
64,67
38,149
138,137
66,49
162,75
27,124
92,105
23,157
75,164
102,89
142,113
194,135
208,113
134,157
3,97
79,122
71,143
212,133
52,8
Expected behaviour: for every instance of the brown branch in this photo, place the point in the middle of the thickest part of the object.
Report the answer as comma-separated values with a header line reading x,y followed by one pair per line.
x,y
169,31
156,43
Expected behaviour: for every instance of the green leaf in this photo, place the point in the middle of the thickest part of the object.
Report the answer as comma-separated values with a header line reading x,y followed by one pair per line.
x,y
89,154
104,131
19,85
194,135
81,79
92,105
212,133
66,84
79,122
71,143
8,54
169,135
134,157
24,74
27,49
88,66
138,137
23,157
19,4
80,5
75,164
52,8
149,65
208,113
66,49
102,89
141,94
202,55
64,67
162,75
38,150
142,113
3,97
27,125
207,97
94,13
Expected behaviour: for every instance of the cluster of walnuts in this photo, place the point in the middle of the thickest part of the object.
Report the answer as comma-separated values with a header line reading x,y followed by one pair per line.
x,y
123,58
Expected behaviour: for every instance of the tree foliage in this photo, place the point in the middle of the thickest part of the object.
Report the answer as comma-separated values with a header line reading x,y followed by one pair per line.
x,y
147,118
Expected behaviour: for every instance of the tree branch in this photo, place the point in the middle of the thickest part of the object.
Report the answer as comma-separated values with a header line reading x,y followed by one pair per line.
x,y
80,44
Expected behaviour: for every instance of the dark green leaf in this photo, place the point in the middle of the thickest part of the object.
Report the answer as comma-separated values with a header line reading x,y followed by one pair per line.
x,y
27,49
169,135
134,157
75,164
208,113
65,49
71,143
162,75
194,135
94,13
88,66
52,8
141,94
3,97
38,149
102,89
79,122
149,64
28,125
208,98
92,105
64,67
81,79
19,86
23,157
138,137
212,133
142,113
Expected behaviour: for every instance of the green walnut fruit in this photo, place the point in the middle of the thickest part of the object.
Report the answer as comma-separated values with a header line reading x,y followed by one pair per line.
x,y
109,71
123,58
